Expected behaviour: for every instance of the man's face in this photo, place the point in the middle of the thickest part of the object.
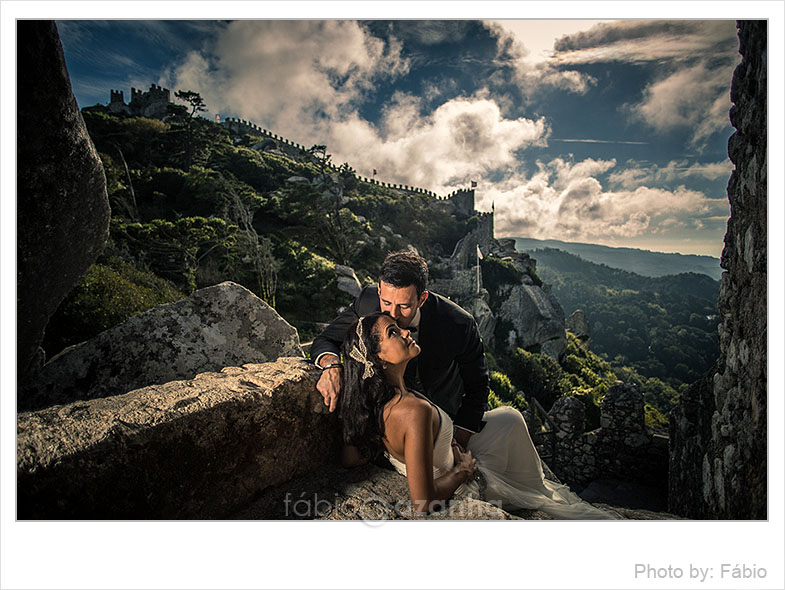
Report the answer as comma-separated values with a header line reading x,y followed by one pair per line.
x,y
401,303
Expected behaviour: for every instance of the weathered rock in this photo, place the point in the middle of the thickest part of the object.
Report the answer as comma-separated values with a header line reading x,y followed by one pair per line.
x,y
375,493
483,315
578,324
364,493
347,281
718,431
201,448
249,442
62,205
537,317
219,326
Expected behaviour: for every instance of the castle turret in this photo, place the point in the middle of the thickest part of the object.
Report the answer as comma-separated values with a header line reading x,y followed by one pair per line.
x,y
116,102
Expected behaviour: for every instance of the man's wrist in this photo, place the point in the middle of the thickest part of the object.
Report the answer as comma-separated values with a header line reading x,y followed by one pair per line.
x,y
327,358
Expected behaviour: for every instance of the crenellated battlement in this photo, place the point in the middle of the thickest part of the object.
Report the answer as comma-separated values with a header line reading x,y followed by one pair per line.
x,y
152,103
463,199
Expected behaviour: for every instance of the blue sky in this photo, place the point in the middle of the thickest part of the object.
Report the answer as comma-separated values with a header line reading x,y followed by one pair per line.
x,y
611,132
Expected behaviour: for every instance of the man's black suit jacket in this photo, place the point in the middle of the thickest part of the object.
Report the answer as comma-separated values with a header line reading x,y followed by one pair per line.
x,y
452,367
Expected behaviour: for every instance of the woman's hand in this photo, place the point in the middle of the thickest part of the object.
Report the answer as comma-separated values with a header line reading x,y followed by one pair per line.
x,y
465,465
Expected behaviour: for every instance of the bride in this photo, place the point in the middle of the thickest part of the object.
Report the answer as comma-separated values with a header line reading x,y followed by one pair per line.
x,y
380,414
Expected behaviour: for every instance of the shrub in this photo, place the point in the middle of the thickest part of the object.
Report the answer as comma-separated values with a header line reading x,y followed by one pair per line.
x,y
655,418
107,295
501,385
497,272
493,401
538,375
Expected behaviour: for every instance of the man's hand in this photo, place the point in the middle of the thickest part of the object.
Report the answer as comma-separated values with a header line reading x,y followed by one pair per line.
x,y
330,383
461,436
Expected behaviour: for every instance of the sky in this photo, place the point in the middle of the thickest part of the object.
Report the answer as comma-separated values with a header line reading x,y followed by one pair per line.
x,y
610,132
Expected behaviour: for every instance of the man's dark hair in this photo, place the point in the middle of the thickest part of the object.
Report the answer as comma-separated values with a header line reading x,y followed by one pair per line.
x,y
404,268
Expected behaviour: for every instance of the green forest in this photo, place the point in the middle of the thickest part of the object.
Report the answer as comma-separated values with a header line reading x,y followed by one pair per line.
x,y
193,206
662,328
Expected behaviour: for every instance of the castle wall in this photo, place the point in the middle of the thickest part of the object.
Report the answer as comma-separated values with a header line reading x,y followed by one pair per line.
x,y
622,448
718,431
154,103
461,200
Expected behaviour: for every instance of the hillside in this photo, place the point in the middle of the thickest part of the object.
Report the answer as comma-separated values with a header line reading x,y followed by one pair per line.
x,y
194,203
641,262
664,327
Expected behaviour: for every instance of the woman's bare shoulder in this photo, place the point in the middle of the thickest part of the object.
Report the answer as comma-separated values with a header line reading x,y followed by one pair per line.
x,y
407,412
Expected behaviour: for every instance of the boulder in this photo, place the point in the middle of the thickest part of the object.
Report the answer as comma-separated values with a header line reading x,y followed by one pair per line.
x,y
199,448
62,205
347,281
578,324
218,326
537,318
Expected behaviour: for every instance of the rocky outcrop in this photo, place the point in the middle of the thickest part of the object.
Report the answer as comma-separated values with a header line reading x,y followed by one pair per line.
x,y
200,448
251,442
483,314
718,431
219,326
537,318
62,205
533,315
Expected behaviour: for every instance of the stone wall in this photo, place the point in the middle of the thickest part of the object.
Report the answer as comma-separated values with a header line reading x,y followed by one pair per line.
x,y
622,448
200,448
718,431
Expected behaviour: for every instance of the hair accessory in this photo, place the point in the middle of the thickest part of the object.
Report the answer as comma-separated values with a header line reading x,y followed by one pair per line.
x,y
361,354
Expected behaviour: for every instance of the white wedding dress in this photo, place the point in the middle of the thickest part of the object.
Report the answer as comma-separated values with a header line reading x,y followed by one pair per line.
x,y
510,466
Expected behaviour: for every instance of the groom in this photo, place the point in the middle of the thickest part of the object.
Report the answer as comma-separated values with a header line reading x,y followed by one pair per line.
x,y
450,369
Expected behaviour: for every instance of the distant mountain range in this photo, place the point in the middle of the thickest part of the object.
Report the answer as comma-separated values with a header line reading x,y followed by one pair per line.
x,y
642,262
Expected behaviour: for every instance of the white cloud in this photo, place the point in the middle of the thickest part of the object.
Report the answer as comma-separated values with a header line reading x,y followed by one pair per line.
x,y
461,140
288,75
305,80
634,175
646,41
695,61
532,69
565,200
696,97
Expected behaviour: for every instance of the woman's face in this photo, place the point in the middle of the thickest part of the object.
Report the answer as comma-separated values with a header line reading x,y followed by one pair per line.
x,y
395,344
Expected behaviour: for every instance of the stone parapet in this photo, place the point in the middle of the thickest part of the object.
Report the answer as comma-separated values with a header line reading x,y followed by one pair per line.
x,y
199,448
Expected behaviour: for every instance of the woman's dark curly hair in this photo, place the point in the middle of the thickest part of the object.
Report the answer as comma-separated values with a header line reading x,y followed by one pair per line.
x,y
363,400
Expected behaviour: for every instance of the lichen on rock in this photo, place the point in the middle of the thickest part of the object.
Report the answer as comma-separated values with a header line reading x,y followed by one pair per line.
x,y
219,326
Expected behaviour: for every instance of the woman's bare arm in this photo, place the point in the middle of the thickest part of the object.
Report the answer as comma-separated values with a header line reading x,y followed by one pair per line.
x,y
425,491
351,457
